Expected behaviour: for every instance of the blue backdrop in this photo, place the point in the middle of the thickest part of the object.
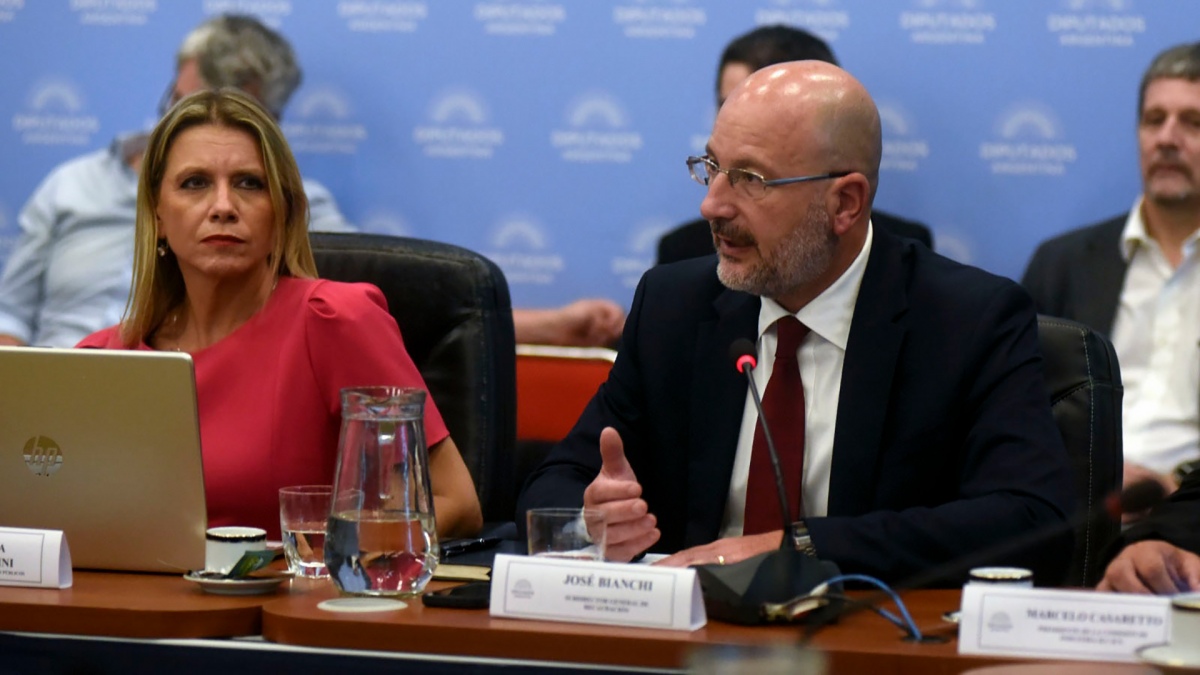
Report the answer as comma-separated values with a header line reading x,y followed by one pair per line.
x,y
550,135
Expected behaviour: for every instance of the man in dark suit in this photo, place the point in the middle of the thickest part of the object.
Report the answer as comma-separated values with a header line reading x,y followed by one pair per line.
x,y
928,433
1159,553
762,47
1135,277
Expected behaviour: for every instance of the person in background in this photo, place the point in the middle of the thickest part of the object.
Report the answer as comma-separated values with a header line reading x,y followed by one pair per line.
x,y
925,433
1136,277
223,271
1158,554
589,322
747,53
69,272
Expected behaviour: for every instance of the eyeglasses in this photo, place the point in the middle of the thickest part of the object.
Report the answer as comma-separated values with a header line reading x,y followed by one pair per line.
x,y
704,171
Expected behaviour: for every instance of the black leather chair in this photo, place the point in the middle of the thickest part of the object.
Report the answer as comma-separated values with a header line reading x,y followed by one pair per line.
x,y
455,315
1084,381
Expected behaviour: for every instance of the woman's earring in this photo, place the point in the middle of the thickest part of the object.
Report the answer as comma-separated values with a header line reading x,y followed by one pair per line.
x,y
162,248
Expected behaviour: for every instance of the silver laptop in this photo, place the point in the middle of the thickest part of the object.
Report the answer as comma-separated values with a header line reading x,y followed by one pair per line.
x,y
104,445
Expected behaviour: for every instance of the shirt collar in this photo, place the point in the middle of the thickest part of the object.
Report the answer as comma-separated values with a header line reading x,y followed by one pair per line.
x,y
829,314
1135,236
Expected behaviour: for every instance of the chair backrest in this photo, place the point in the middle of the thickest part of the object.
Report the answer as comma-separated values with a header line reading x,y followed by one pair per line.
x,y
454,312
554,384
1084,381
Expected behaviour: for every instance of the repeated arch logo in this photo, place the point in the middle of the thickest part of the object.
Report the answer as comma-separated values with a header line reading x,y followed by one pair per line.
x,y
55,114
109,13
903,148
9,9
270,12
458,127
1028,140
948,22
955,245
321,121
520,233
521,248
387,222
640,251
1096,23
826,18
531,17
660,19
597,131
383,16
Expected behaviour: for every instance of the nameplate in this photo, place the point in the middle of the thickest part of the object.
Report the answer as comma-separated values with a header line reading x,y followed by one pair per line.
x,y
34,558
1059,624
580,591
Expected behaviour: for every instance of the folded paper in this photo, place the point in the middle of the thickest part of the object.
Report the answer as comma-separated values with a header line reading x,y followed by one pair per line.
x,y
34,558
1060,624
558,589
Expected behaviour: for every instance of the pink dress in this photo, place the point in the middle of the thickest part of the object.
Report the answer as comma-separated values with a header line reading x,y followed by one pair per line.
x,y
269,394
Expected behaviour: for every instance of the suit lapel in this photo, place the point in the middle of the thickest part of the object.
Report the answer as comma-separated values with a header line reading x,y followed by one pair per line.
x,y
1102,271
876,334
717,400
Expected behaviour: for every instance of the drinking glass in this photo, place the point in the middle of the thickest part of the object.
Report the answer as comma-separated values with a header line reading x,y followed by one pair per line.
x,y
577,534
303,513
382,537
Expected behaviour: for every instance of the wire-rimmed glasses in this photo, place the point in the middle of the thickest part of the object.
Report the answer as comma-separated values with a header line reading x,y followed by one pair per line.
x,y
704,171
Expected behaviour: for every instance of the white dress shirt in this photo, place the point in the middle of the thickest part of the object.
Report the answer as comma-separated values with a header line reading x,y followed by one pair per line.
x,y
821,355
1156,334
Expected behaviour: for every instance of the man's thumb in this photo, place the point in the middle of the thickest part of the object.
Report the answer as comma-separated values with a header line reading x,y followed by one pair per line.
x,y
612,454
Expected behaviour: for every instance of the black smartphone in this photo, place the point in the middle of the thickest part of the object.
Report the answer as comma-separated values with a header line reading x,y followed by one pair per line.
x,y
472,595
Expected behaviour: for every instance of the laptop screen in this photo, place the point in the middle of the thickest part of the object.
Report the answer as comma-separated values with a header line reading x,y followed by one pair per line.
x,y
104,445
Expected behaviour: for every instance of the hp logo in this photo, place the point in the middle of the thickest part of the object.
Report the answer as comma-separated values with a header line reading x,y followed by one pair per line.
x,y
42,455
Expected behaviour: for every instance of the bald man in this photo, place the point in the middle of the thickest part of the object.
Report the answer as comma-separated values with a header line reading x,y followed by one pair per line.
x,y
927,433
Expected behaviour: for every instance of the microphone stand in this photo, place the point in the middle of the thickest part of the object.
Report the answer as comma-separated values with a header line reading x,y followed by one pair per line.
x,y
751,591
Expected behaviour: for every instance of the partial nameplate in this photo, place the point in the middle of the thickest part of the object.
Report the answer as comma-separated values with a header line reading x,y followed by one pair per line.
x,y
583,591
1058,624
34,558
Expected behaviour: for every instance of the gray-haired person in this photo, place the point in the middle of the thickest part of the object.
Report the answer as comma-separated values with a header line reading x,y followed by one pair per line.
x,y
69,272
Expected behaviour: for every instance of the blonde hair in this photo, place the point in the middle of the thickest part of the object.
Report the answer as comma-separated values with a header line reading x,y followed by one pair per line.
x,y
158,286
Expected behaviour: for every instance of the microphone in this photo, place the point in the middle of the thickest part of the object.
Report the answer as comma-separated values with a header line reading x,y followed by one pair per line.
x,y
750,591
742,352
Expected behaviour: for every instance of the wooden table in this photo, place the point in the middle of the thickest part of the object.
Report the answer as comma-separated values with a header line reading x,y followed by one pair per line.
x,y
863,642
132,605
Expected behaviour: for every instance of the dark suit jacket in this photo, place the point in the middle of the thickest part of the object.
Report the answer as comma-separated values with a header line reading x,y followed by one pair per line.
x,y
1078,275
944,442
1176,520
694,239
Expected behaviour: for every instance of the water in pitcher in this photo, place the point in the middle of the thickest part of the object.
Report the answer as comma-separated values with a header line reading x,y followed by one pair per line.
x,y
381,553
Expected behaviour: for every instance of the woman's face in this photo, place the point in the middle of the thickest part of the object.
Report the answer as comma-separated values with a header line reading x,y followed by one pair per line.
x,y
214,207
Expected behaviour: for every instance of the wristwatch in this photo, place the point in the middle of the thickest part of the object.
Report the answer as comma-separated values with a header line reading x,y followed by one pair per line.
x,y
802,540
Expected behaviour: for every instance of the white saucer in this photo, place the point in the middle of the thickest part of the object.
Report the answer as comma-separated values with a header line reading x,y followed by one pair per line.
x,y
247,586
1175,656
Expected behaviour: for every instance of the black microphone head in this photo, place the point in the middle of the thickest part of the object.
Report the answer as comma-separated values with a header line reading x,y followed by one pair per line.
x,y
741,351
1142,495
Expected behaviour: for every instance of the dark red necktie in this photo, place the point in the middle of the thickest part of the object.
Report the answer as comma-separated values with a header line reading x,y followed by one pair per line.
x,y
783,406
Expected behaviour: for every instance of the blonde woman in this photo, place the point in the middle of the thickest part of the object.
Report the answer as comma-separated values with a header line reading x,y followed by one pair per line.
x,y
224,272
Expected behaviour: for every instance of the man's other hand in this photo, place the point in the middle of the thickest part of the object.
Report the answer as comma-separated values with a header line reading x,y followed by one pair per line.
x,y
1152,567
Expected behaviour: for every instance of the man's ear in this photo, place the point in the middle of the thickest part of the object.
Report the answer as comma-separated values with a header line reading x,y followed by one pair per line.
x,y
849,200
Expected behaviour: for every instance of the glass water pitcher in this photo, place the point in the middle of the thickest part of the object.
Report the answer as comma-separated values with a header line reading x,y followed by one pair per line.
x,y
381,538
